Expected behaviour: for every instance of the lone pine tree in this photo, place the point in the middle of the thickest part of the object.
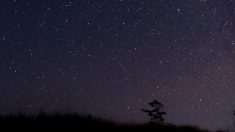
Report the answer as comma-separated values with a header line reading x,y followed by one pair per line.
x,y
156,113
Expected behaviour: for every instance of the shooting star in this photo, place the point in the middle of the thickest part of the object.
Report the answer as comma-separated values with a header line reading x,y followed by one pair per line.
x,y
124,71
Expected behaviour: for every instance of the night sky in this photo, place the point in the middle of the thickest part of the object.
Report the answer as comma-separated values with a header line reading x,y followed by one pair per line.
x,y
111,57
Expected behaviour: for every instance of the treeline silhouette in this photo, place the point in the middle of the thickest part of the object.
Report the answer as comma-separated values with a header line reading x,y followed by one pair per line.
x,y
65,122
77,122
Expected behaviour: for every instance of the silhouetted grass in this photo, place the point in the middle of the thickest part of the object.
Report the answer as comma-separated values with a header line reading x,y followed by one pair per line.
x,y
55,122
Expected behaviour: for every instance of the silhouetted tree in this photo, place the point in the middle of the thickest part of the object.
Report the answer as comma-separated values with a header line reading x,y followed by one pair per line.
x,y
156,113
234,121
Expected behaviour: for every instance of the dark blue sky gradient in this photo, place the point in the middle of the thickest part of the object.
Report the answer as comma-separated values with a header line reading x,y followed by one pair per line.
x,y
111,57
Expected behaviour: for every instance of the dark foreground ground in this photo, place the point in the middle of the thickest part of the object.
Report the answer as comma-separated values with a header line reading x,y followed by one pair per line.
x,y
80,123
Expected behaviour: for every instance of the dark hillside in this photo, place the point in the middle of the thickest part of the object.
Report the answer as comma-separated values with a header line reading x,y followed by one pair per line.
x,y
65,122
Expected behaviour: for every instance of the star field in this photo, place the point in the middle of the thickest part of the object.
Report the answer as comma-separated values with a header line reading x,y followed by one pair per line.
x,y
110,58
